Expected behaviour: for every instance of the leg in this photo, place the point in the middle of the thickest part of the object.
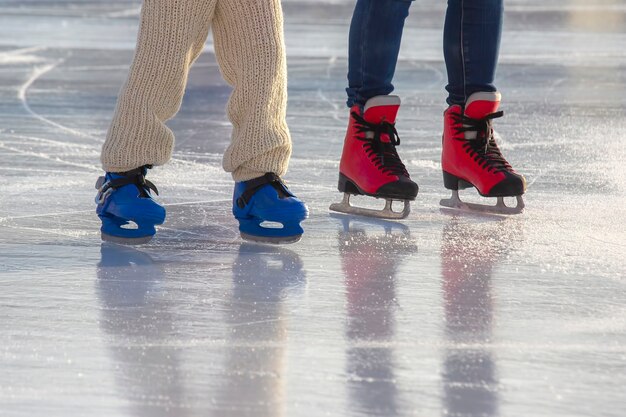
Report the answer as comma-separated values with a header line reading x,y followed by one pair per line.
x,y
471,156
374,44
472,35
171,36
250,49
370,164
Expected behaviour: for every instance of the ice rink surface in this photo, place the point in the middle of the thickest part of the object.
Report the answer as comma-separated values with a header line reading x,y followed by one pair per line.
x,y
439,315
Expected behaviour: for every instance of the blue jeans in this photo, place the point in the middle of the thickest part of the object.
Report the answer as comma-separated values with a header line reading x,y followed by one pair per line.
x,y
471,42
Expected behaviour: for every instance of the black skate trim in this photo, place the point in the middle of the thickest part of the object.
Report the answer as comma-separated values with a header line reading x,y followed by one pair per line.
x,y
396,190
382,154
136,177
403,187
483,149
452,182
512,185
254,185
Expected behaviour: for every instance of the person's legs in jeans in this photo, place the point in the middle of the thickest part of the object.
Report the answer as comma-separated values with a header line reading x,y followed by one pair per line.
x,y
470,154
471,44
374,43
370,164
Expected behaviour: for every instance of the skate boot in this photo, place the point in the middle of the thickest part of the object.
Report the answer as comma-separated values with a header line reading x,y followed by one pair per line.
x,y
261,204
471,157
125,198
370,164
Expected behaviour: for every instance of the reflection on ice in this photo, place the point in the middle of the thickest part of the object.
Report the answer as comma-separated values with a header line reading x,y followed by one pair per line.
x,y
470,380
137,321
492,316
370,280
255,364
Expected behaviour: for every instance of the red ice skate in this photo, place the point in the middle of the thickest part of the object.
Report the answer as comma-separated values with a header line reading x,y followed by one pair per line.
x,y
370,164
471,157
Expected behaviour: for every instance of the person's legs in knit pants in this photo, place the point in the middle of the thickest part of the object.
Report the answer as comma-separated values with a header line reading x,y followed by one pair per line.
x,y
250,49
171,36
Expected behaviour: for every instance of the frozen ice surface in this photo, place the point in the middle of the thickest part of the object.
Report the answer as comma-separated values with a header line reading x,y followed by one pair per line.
x,y
441,314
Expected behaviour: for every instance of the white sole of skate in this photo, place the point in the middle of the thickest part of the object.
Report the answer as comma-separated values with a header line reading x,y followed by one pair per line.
x,y
386,213
125,241
455,202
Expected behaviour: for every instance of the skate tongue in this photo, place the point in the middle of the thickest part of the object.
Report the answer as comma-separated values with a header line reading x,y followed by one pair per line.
x,y
481,104
382,109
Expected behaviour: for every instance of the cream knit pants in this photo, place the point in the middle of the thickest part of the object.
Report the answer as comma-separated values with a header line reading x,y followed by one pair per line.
x,y
249,45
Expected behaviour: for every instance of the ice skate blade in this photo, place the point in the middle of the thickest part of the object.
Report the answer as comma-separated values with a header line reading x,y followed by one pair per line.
x,y
272,240
125,240
386,213
500,208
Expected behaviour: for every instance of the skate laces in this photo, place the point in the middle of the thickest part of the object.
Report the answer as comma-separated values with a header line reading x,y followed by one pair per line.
x,y
483,148
136,177
383,154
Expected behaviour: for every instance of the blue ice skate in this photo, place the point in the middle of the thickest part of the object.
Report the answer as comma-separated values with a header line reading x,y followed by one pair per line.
x,y
126,207
267,211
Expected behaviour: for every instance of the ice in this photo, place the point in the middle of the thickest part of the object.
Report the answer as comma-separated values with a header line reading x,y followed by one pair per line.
x,y
440,314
